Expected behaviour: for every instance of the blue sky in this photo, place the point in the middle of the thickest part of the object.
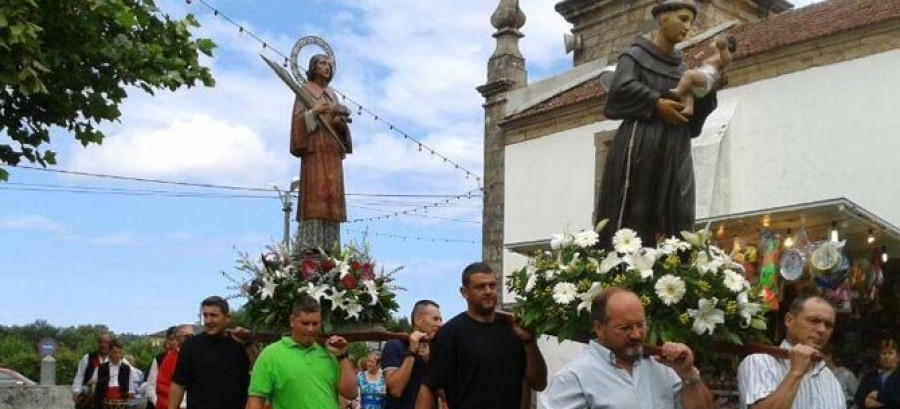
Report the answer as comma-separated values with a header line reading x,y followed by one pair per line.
x,y
140,263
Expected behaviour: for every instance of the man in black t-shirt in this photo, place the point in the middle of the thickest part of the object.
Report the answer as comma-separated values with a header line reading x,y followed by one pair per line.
x,y
404,361
213,367
479,358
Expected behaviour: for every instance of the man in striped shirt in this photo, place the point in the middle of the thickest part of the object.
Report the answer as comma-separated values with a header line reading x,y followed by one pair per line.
x,y
766,382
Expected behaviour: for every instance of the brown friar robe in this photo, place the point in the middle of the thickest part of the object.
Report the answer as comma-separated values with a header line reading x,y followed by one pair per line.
x,y
321,170
648,180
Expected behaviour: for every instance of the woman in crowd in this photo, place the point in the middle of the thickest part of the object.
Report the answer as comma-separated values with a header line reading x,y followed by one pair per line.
x,y
371,384
881,388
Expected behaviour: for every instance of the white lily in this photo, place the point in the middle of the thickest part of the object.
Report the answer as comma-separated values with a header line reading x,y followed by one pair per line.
x,y
353,309
642,263
571,264
372,290
747,309
588,296
698,239
611,261
337,299
532,280
673,245
706,316
344,268
317,292
268,288
558,241
706,264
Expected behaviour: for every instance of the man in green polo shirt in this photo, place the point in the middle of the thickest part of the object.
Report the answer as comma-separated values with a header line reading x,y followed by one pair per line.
x,y
297,372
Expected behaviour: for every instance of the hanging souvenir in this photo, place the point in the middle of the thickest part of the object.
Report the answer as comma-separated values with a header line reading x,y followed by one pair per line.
x,y
769,244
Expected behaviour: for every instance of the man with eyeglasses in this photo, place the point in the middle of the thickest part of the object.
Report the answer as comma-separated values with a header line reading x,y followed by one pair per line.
x,y
162,379
612,371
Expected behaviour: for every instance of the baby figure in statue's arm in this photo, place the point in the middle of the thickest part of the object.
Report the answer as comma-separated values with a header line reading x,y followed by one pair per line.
x,y
697,82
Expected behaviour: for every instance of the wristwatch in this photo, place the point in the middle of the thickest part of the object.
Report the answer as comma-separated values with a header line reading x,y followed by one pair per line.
x,y
342,356
409,353
693,379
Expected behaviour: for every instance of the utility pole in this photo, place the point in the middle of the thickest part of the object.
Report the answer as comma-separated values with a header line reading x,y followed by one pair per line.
x,y
286,206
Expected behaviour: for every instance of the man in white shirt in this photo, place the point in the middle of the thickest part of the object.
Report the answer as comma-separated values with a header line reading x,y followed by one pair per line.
x,y
803,381
87,368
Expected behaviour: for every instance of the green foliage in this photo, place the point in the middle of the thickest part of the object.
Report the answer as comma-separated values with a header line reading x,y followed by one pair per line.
x,y
67,64
18,348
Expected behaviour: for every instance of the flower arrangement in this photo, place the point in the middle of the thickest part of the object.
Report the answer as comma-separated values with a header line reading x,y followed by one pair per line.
x,y
344,282
692,291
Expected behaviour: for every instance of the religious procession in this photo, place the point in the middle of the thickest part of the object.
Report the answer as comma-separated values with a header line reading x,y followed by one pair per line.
x,y
685,213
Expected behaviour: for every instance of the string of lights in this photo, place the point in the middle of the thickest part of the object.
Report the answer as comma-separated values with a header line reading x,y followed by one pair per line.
x,y
414,210
414,238
452,219
359,108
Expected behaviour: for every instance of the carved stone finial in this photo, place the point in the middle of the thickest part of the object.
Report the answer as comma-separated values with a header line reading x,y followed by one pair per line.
x,y
508,16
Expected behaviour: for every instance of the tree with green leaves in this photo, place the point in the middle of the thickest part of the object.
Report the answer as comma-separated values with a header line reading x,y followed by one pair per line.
x,y
67,64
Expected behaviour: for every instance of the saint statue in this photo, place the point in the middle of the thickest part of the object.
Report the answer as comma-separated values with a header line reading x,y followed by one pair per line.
x,y
321,139
648,180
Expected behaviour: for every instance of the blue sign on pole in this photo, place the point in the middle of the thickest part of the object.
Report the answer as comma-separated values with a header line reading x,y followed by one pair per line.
x,y
47,346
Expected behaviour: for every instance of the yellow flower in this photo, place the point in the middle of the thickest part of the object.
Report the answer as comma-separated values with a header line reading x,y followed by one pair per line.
x,y
584,285
704,287
671,262
684,318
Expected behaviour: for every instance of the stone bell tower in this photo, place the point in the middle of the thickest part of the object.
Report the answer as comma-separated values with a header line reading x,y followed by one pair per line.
x,y
603,28
506,72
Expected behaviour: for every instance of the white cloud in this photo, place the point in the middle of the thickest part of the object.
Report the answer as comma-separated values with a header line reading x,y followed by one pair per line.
x,y
32,223
120,239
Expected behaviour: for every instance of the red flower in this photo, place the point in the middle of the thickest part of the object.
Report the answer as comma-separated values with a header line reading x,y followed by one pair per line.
x,y
354,266
367,272
349,281
327,265
308,269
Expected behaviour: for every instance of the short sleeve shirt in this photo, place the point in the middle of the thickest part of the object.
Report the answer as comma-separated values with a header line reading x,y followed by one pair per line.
x,y
479,365
215,372
292,376
759,375
392,357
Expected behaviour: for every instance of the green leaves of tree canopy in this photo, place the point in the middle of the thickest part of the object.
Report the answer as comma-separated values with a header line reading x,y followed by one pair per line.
x,y
68,63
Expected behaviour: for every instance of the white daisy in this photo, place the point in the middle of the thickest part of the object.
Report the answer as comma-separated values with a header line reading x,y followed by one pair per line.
x,y
734,281
706,316
626,241
564,293
586,238
673,245
670,289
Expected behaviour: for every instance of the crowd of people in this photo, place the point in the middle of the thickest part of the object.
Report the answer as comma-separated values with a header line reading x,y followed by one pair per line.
x,y
479,359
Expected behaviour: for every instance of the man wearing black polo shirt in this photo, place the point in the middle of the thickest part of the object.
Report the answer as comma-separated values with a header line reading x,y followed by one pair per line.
x,y
479,359
213,367
404,361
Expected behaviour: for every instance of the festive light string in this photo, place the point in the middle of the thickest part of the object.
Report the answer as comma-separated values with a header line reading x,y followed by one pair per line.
x,y
412,210
415,238
360,109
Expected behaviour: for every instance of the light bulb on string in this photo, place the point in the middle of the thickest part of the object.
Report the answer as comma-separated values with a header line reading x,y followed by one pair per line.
x,y
871,238
884,255
788,239
833,235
